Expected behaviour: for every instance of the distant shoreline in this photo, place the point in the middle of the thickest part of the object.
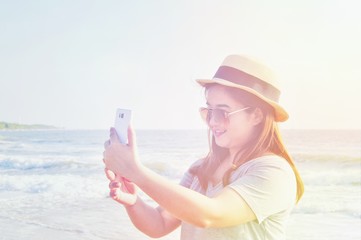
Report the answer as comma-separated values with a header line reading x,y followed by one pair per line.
x,y
17,126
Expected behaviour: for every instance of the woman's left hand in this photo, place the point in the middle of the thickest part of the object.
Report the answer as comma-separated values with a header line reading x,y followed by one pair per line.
x,y
121,190
120,158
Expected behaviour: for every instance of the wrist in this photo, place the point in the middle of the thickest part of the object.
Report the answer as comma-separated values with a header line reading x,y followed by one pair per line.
x,y
138,174
130,207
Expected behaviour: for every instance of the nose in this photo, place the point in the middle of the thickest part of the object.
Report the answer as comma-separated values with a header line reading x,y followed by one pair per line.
x,y
213,121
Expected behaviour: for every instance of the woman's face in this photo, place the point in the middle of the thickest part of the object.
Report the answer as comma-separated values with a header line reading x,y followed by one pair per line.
x,y
236,130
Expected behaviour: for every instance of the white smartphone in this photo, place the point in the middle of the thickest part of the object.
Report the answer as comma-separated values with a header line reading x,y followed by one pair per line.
x,y
122,120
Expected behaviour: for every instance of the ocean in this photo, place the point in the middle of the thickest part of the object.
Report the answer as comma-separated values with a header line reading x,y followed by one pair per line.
x,y
52,184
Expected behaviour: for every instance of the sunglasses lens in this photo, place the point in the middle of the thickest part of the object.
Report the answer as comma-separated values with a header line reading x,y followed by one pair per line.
x,y
204,113
218,115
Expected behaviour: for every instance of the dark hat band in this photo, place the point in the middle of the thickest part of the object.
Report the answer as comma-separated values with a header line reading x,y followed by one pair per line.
x,y
242,78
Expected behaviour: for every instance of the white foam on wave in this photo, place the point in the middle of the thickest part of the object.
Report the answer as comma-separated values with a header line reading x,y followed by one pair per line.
x,y
53,183
330,199
68,186
47,163
332,177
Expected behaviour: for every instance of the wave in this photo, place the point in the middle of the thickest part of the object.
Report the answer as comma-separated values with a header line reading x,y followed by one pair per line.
x,y
55,186
353,212
317,157
44,164
345,203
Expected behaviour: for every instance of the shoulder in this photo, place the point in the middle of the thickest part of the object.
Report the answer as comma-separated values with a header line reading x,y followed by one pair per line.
x,y
193,169
271,173
267,184
268,162
197,163
269,159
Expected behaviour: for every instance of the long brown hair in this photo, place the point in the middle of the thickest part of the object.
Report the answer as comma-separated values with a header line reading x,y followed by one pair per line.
x,y
267,138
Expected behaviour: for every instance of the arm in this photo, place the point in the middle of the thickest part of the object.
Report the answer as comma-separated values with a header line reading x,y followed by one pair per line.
x,y
155,222
226,209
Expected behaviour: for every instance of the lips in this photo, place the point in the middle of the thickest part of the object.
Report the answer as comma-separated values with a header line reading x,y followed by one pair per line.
x,y
218,133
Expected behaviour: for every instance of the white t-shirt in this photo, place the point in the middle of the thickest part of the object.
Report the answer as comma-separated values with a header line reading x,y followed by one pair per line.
x,y
268,185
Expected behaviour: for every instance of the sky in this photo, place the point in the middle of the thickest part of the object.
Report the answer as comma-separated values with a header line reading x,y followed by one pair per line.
x,y
70,64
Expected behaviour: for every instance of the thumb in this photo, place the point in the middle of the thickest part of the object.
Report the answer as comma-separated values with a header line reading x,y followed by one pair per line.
x,y
129,186
131,137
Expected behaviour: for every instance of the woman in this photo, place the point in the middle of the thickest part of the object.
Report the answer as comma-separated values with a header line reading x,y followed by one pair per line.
x,y
247,185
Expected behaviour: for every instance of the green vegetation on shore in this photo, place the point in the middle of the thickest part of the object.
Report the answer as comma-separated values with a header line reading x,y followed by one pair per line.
x,y
13,126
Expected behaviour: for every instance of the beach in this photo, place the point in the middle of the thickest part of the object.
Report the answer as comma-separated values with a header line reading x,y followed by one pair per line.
x,y
52,183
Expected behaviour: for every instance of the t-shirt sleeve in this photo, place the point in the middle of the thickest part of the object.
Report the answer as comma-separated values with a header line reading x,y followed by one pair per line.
x,y
268,187
187,179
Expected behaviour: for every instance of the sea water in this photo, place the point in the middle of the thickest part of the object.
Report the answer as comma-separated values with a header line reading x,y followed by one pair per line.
x,y
52,184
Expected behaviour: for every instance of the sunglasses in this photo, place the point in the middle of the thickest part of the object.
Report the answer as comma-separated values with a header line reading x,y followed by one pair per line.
x,y
218,115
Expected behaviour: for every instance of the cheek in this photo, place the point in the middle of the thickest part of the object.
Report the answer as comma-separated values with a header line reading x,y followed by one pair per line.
x,y
240,133
237,135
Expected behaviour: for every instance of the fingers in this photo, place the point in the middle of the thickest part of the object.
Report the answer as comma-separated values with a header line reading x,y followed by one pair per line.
x,y
128,186
113,136
122,191
114,184
115,180
110,174
123,184
114,193
106,144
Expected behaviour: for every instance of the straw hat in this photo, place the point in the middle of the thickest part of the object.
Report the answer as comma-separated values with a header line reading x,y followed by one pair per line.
x,y
252,76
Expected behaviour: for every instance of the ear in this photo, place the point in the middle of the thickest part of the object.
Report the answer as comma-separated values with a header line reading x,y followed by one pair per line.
x,y
257,116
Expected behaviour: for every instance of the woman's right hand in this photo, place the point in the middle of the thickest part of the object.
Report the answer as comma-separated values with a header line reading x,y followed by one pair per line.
x,y
121,189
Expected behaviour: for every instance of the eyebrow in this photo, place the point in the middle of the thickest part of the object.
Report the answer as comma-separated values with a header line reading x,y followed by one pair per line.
x,y
219,105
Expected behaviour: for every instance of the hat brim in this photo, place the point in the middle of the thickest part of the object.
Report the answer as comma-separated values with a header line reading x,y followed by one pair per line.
x,y
281,114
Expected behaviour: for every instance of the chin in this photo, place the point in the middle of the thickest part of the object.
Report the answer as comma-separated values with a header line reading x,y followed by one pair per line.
x,y
221,143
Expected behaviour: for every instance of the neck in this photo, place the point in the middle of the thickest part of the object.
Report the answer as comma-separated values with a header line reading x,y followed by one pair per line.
x,y
232,155
234,151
